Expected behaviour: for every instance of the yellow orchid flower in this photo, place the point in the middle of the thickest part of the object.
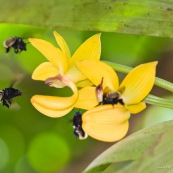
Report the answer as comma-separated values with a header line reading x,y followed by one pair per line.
x,y
61,71
133,89
104,123
109,121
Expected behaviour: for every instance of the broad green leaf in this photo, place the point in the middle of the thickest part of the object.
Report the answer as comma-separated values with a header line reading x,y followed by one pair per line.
x,y
144,151
133,16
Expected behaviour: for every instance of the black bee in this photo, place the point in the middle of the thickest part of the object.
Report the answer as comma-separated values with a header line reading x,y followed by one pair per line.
x,y
112,98
77,125
16,42
7,94
107,97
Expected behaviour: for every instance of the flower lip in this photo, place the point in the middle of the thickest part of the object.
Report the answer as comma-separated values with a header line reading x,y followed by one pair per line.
x,y
106,122
59,81
77,125
48,82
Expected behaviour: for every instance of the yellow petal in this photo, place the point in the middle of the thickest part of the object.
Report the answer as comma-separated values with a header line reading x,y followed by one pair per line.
x,y
62,44
96,70
90,49
106,123
44,71
75,75
84,83
53,106
138,83
53,54
134,109
87,98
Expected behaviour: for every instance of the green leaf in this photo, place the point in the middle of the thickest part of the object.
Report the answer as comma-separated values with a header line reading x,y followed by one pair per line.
x,y
143,152
133,16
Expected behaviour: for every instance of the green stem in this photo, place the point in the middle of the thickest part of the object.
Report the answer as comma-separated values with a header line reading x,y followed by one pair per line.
x,y
126,69
157,101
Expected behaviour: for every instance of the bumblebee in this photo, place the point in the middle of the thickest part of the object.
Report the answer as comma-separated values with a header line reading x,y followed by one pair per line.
x,y
112,98
106,97
16,42
7,94
77,125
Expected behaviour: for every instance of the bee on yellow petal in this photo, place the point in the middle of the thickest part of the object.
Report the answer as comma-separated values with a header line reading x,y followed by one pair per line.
x,y
105,123
130,93
107,97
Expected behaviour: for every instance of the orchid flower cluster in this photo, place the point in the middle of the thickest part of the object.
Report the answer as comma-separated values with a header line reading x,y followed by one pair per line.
x,y
96,89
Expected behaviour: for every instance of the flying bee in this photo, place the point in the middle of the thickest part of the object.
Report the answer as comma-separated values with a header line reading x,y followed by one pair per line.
x,y
16,42
7,94
107,97
77,125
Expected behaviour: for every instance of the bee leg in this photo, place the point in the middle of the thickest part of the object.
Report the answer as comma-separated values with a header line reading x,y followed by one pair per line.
x,y
100,103
7,49
16,50
121,101
9,101
4,103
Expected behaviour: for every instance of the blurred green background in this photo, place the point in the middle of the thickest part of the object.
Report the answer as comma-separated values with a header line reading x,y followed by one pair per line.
x,y
33,143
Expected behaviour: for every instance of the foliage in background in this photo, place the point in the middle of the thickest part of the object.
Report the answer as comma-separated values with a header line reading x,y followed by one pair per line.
x,y
132,17
144,151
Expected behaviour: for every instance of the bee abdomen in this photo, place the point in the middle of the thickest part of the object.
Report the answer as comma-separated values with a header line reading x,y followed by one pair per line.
x,y
9,93
10,41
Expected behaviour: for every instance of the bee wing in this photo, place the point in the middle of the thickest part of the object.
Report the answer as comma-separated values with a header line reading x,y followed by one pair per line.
x,y
1,95
17,79
9,42
6,73
15,106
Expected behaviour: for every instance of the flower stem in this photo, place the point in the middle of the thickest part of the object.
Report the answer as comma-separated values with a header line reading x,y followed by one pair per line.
x,y
157,101
126,69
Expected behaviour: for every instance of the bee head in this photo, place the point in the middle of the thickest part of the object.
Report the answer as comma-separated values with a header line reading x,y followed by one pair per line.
x,y
18,92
